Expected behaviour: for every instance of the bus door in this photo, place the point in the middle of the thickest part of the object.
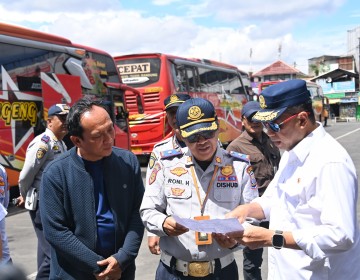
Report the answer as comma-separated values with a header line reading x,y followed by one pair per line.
x,y
119,114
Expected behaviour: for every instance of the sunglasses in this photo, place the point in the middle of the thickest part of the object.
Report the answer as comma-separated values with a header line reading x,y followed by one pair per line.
x,y
204,134
276,126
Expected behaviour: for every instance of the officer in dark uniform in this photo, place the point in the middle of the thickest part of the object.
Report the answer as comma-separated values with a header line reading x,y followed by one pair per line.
x,y
42,149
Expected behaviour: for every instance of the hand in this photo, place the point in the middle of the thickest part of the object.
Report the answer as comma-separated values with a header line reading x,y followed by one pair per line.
x,y
153,244
224,240
253,237
240,212
20,202
171,228
112,271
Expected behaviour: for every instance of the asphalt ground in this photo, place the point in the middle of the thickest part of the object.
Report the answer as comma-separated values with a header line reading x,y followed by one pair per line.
x,y
23,243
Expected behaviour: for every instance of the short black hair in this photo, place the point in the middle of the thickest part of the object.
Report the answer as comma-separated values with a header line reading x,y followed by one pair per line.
x,y
80,107
304,107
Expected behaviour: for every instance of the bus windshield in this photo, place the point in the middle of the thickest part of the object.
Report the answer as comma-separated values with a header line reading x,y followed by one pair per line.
x,y
140,72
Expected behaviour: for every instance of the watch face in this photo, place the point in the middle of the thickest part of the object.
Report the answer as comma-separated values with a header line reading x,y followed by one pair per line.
x,y
278,241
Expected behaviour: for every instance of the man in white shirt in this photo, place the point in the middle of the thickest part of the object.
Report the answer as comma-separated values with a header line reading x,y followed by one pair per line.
x,y
311,202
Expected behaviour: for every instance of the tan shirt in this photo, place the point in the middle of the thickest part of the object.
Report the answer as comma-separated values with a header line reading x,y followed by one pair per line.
x,y
264,157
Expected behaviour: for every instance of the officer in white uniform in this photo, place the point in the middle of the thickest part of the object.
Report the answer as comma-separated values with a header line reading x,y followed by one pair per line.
x,y
42,149
205,182
4,203
174,142
312,201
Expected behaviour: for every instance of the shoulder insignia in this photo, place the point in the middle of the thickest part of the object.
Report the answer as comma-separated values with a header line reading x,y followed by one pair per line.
x,y
152,160
2,181
153,174
178,171
250,171
45,138
170,153
41,152
240,156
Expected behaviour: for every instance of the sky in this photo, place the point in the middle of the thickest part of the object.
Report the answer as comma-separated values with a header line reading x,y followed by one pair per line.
x,y
248,34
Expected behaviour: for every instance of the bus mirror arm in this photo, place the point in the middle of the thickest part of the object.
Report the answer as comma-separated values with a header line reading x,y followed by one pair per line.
x,y
139,96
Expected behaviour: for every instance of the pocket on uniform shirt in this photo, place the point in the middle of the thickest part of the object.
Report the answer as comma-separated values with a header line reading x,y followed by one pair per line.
x,y
179,200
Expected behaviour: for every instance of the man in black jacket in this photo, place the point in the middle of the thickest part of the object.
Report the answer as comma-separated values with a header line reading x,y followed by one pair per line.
x,y
91,197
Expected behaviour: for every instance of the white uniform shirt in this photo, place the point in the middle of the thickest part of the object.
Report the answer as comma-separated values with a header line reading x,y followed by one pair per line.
x,y
165,145
314,195
4,202
170,190
41,150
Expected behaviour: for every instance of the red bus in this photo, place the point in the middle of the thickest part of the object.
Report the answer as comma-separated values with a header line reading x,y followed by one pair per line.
x,y
317,95
39,70
158,75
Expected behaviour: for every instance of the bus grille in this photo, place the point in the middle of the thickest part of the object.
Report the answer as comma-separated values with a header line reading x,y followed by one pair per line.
x,y
150,99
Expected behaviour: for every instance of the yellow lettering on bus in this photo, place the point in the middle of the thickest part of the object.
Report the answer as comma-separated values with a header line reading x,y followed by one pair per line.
x,y
134,68
18,111
100,64
6,112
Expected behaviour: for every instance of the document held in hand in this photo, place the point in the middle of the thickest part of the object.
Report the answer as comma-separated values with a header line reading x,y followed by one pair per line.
x,y
211,226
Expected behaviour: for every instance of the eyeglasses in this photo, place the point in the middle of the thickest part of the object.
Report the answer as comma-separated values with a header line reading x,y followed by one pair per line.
x,y
276,126
196,137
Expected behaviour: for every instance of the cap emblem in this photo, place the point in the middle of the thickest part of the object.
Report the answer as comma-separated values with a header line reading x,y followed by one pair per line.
x,y
195,113
174,98
262,102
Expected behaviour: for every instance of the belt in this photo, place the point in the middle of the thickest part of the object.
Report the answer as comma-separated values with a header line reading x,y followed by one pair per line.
x,y
197,269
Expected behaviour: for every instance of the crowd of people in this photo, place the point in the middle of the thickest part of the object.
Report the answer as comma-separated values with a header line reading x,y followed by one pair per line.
x,y
89,207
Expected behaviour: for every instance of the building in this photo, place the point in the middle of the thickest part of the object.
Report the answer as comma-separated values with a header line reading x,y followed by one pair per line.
x,y
278,70
339,80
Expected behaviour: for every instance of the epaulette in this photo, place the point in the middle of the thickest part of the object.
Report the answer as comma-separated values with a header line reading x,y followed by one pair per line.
x,y
240,156
45,138
170,153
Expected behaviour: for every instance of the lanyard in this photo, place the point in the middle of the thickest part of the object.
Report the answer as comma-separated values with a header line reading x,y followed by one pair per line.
x,y
202,203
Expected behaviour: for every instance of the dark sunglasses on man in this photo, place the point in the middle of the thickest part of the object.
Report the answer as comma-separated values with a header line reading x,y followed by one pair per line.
x,y
208,134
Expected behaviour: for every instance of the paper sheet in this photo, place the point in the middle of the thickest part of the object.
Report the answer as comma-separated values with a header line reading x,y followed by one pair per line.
x,y
211,226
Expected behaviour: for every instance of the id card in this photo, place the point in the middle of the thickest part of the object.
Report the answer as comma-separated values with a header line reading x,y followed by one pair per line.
x,y
202,238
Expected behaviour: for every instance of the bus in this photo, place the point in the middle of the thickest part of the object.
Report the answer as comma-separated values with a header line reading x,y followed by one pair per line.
x,y
158,75
38,70
316,92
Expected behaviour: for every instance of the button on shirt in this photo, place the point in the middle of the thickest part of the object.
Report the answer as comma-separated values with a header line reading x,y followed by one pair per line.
x,y
170,190
314,195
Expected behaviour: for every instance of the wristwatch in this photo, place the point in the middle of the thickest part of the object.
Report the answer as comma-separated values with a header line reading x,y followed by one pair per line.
x,y
278,239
